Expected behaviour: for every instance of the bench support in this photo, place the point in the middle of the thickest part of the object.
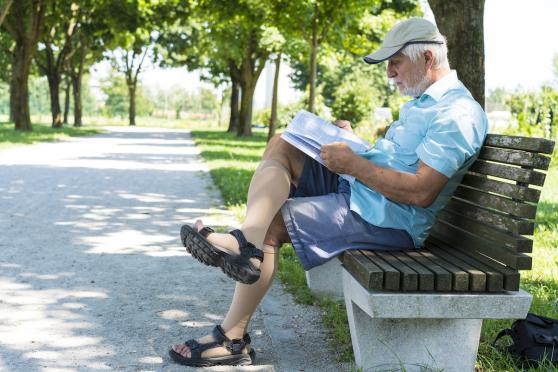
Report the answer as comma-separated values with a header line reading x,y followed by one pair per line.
x,y
326,279
417,331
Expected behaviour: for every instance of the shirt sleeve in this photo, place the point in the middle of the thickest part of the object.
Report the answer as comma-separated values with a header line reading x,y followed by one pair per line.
x,y
450,141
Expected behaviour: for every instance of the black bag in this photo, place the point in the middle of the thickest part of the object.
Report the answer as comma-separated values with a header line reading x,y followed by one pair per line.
x,y
535,338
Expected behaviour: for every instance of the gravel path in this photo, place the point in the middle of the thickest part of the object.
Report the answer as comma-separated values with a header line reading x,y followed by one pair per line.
x,y
92,274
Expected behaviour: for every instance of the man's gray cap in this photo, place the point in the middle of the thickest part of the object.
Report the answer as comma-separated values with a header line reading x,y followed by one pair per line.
x,y
410,31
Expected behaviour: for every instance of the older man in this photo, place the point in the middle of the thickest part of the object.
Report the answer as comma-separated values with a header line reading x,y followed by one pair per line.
x,y
401,184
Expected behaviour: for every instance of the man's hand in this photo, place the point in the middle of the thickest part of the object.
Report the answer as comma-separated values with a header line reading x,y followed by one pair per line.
x,y
344,124
338,157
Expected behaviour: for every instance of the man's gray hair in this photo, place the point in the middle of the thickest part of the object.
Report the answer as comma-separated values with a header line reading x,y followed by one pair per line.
x,y
439,52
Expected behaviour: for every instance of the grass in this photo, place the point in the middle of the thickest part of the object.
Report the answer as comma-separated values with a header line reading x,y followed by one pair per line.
x,y
40,133
230,158
43,132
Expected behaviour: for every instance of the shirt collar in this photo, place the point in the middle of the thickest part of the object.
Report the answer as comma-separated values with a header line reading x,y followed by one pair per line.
x,y
440,87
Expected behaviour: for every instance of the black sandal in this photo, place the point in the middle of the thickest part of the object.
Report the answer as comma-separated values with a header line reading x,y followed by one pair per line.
x,y
236,358
236,266
210,258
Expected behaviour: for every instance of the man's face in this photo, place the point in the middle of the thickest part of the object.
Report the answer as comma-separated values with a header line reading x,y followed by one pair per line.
x,y
411,78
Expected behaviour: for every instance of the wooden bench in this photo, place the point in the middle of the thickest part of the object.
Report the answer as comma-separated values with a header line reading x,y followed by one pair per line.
x,y
468,270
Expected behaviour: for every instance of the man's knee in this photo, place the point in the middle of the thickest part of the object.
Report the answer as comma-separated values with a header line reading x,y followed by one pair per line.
x,y
292,158
276,147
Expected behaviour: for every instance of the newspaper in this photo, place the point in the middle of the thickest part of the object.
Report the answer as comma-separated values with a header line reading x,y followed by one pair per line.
x,y
308,132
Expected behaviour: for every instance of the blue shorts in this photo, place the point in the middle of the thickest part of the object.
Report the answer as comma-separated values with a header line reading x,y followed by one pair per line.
x,y
321,224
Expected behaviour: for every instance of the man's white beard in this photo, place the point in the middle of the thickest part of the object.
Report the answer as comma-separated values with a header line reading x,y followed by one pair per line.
x,y
417,89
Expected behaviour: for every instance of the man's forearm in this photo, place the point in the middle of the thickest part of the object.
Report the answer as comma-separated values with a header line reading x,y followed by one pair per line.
x,y
401,187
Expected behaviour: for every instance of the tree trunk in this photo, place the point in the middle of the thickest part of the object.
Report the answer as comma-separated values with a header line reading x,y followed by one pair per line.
x,y
4,9
251,67
246,104
76,88
461,21
132,108
54,88
76,76
273,117
233,122
24,24
313,66
19,90
66,100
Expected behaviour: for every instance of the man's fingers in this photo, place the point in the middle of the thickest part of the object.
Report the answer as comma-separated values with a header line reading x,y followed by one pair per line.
x,y
343,124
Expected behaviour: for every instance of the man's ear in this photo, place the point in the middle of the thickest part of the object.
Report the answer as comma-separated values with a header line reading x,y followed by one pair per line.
x,y
428,59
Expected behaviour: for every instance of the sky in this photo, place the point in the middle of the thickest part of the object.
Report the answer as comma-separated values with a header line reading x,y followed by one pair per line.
x,y
521,38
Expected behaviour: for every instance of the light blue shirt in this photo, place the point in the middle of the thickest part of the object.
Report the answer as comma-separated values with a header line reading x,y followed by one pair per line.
x,y
444,128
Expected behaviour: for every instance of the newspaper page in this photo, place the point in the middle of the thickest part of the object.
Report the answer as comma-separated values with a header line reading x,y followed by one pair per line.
x,y
308,132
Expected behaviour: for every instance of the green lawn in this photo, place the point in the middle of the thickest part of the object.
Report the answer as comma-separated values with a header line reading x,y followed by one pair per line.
x,y
40,133
231,158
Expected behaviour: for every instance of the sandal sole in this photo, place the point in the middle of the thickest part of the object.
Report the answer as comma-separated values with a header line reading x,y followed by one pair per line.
x,y
227,360
201,249
234,266
239,271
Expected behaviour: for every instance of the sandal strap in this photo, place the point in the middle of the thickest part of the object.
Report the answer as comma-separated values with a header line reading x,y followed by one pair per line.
x,y
196,349
247,249
218,334
247,338
205,231
219,340
235,346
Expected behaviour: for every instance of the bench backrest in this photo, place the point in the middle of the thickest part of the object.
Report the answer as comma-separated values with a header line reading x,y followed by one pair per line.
x,y
494,207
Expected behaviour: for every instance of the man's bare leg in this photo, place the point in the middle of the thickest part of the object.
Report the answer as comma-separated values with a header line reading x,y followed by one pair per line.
x,y
266,195
281,165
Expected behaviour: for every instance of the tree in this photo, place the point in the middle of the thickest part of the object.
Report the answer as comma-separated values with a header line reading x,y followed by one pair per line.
x,y
57,48
130,62
139,25
232,41
240,33
25,24
461,21
94,33
340,24
4,9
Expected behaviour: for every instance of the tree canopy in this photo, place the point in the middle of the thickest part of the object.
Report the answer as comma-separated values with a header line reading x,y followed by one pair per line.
x,y
229,42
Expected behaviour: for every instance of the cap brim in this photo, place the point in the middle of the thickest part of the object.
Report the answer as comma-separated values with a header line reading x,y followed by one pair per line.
x,y
382,54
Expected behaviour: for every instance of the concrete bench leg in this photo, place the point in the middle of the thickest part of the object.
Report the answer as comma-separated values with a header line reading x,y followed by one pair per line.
x,y
422,331
413,344
326,279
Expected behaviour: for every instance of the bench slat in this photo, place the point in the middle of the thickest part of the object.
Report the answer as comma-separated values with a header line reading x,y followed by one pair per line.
x,y
520,143
460,278
494,278
515,157
511,276
459,238
408,278
443,278
477,278
503,188
425,276
365,271
493,218
499,203
391,275
508,172
516,243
